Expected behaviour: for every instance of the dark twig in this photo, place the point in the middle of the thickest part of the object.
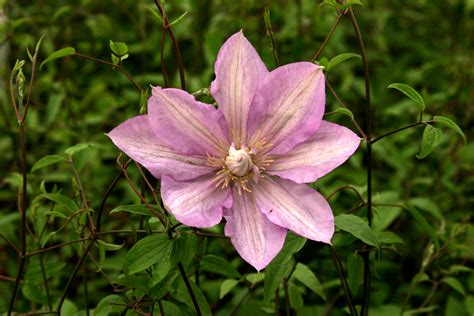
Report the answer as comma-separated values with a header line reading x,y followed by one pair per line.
x,y
190,289
398,130
328,37
365,256
175,44
342,277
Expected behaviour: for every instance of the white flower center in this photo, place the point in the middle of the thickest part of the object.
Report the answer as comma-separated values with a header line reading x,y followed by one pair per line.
x,y
238,162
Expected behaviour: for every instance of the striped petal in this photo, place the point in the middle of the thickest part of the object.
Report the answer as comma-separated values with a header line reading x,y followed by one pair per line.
x,y
197,202
288,106
296,207
327,149
238,70
256,239
136,138
185,124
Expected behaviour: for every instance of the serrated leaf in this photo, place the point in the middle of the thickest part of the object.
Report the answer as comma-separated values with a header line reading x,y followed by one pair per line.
x,y
335,61
423,223
46,161
63,52
281,266
226,287
215,264
140,209
357,227
304,275
118,48
409,92
146,252
431,138
295,297
355,272
455,284
450,124
345,111
389,238
71,151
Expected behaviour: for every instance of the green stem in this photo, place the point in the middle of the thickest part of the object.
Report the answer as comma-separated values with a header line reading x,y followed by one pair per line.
x,y
398,130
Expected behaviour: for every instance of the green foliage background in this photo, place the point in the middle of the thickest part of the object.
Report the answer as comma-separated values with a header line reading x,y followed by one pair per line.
x,y
426,44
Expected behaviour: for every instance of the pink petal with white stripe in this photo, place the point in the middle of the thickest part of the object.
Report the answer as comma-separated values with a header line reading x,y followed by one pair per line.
x,y
185,124
256,239
238,70
288,106
327,149
136,138
296,207
195,203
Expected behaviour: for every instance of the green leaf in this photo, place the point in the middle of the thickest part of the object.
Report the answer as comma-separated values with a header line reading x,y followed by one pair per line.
x,y
431,138
34,273
355,272
215,264
146,252
118,48
46,161
183,295
227,286
345,111
423,223
162,287
34,293
428,206
63,52
350,3
140,209
335,61
107,306
455,284
357,227
155,13
109,246
323,62
281,266
71,151
304,274
61,200
450,124
331,3
294,294
178,19
389,238
409,92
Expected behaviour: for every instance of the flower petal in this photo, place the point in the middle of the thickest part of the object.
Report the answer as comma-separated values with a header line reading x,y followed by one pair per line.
x,y
296,207
288,105
256,239
327,149
185,124
136,138
197,202
238,70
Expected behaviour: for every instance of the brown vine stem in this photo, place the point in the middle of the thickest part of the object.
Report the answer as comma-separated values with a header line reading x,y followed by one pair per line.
x,y
175,44
328,37
365,255
119,67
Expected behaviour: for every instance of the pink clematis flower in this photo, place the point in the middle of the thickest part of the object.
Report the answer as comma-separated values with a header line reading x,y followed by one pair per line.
x,y
248,160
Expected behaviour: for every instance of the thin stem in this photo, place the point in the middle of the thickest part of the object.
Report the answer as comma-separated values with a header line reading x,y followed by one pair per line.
x,y
85,204
106,196
342,277
346,187
162,52
175,45
73,275
119,67
269,32
328,37
34,253
287,298
376,139
338,99
30,89
189,288
365,256
86,291
242,300
45,281
10,243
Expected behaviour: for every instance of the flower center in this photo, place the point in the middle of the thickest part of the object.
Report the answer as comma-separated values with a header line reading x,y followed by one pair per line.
x,y
239,161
